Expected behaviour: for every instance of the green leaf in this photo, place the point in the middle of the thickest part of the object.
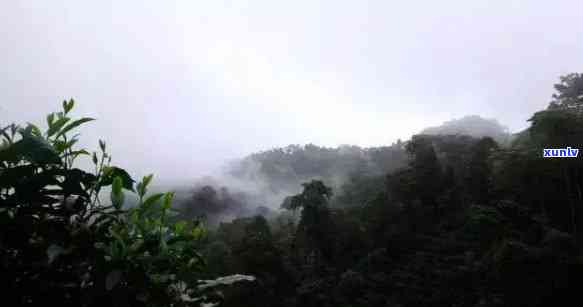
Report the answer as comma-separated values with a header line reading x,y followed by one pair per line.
x,y
142,187
5,134
180,226
32,148
50,119
58,125
152,200
61,146
68,106
110,172
77,153
141,190
74,124
117,196
118,238
34,130
102,145
27,130
13,129
197,232
148,179
167,203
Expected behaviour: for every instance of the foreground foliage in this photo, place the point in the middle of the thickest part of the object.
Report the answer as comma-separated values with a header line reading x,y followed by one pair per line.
x,y
60,244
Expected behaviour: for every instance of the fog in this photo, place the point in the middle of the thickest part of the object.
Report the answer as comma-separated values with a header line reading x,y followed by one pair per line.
x,y
179,88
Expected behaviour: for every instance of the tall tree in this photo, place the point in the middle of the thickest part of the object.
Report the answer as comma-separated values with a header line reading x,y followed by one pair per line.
x,y
314,235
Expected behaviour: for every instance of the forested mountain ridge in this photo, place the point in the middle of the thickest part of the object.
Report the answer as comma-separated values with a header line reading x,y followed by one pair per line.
x,y
284,169
355,173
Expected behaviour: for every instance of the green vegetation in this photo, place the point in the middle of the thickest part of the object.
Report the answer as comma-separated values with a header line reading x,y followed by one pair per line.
x,y
60,244
439,220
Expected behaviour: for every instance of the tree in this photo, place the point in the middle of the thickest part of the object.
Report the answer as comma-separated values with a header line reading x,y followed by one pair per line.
x,y
561,126
569,95
314,234
552,188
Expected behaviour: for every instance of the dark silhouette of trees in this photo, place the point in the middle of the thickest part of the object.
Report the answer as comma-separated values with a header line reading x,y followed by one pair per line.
x,y
460,220
427,172
314,236
480,171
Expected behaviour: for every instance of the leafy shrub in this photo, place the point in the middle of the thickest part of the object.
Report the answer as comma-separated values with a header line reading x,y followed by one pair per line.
x,y
59,243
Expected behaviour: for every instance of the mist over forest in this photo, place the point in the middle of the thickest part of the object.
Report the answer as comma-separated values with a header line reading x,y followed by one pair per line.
x,y
261,181
291,154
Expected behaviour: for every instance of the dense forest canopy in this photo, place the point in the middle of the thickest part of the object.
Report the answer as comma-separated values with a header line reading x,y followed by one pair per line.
x,y
355,173
457,215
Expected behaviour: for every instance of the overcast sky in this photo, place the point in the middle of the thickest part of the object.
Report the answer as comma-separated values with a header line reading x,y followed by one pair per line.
x,y
179,87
